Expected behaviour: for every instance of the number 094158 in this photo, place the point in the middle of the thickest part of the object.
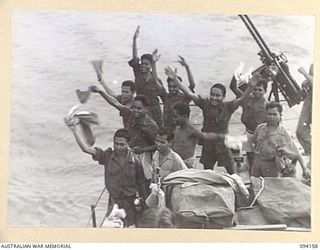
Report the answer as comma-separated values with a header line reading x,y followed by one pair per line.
x,y
308,246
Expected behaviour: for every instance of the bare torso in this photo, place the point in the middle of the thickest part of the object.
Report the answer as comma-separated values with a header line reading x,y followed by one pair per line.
x,y
185,141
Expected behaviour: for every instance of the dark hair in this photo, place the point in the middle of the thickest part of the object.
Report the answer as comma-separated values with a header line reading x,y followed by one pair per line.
x,y
147,57
221,87
130,84
157,218
123,133
262,82
273,104
182,108
143,99
166,131
170,79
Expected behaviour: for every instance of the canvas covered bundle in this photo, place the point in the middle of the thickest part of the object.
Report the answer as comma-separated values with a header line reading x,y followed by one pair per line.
x,y
284,200
203,206
201,198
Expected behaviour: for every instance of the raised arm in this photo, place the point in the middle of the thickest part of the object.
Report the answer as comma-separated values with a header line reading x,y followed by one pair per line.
x,y
106,87
307,84
233,86
246,93
134,45
97,65
192,84
155,59
110,99
76,132
173,75
306,75
239,78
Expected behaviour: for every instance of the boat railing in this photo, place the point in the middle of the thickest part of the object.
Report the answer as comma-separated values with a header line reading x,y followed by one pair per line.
x,y
93,215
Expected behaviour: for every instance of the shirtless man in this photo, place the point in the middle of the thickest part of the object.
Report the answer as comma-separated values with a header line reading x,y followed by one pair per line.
x,y
186,136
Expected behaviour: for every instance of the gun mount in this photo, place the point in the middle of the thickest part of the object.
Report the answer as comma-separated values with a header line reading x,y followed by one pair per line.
x,y
275,69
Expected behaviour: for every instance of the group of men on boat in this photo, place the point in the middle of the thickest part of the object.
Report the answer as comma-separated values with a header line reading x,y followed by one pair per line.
x,y
154,143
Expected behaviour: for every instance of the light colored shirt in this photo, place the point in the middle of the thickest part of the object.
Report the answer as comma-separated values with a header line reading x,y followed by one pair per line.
x,y
266,142
171,163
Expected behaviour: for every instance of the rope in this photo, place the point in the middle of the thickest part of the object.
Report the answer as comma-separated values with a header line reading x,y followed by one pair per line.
x,y
260,191
95,205
104,218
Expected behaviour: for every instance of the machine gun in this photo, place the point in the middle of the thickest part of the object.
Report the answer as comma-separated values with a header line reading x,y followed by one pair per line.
x,y
275,69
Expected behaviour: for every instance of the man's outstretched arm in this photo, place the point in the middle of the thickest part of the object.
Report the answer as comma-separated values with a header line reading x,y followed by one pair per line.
x,y
155,59
75,128
173,75
97,65
110,99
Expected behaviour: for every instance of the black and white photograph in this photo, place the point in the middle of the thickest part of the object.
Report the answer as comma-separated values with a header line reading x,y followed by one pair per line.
x,y
158,120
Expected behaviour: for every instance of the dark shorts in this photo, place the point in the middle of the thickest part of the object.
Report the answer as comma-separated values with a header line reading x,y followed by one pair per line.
x,y
209,157
264,168
127,204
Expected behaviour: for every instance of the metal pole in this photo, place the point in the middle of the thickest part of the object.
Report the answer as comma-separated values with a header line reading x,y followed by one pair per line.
x,y
96,203
93,215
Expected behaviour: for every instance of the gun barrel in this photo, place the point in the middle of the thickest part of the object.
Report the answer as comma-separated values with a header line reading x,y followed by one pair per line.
x,y
256,36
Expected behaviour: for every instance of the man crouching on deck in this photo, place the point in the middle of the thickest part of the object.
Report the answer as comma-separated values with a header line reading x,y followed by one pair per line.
x,y
122,171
